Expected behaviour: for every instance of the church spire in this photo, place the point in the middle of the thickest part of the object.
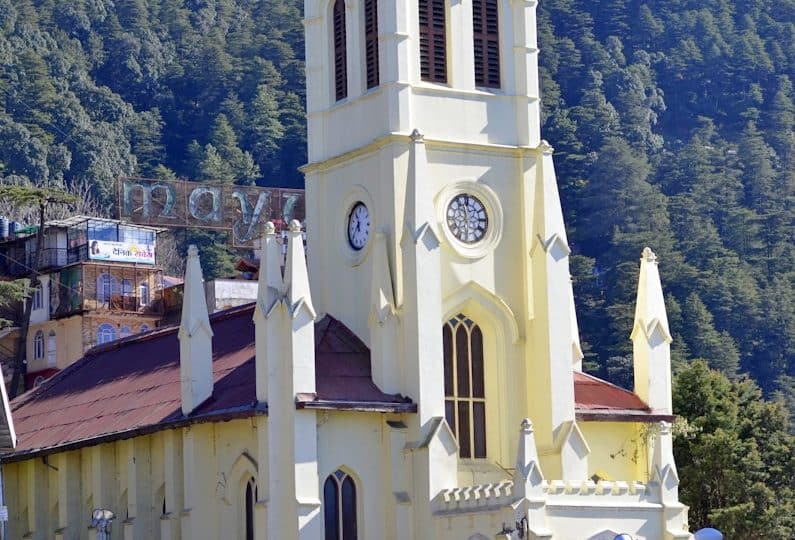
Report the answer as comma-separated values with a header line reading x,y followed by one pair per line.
x,y
270,294
651,338
195,338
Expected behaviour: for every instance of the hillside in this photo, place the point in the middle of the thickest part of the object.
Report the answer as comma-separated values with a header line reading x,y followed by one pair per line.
x,y
673,122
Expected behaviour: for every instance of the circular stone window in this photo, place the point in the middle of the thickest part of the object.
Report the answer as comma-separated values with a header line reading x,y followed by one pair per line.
x,y
471,217
467,218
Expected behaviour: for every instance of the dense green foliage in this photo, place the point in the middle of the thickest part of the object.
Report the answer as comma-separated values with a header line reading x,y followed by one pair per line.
x,y
674,127
736,458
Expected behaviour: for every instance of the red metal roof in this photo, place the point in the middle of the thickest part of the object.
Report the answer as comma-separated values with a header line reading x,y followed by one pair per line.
x,y
596,399
133,385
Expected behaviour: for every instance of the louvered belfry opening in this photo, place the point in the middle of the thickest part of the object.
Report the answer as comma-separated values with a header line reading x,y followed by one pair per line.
x,y
371,41
487,43
433,41
340,52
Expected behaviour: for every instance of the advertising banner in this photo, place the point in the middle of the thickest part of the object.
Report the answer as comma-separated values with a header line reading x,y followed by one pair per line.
x,y
101,250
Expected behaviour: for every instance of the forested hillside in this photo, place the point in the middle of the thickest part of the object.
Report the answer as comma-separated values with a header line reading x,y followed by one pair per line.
x,y
673,124
674,127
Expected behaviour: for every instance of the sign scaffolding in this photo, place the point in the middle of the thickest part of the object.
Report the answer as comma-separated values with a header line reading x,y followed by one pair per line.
x,y
243,210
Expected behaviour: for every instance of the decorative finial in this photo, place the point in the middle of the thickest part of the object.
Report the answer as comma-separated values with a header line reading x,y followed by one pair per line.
x,y
416,136
295,226
545,147
193,251
648,255
270,228
527,426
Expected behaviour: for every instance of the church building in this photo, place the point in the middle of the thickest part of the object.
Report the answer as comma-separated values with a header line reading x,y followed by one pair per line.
x,y
415,374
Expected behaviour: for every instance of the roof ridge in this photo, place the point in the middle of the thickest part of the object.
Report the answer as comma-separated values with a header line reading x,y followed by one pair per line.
x,y
608,383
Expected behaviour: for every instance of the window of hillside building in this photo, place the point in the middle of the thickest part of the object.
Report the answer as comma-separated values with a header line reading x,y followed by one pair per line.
x,y
340,51
38,295
144,328
371,42
126,287
125,331
143,293
51,349
106,286
38,381
485,24
38,345
464,388
251,498
339,507
105,333
433,41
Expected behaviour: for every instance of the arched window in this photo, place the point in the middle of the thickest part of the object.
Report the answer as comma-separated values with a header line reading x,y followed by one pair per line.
x,y
38,381
371,42
105,333
38,345
433,41
125,331
251,498
464,388
340,51
485,25
339,507
51,349
106,286
144,328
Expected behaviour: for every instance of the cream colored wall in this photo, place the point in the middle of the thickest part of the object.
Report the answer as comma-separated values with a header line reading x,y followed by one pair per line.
x,y
68,342
492,289
53,497
363,459
619,450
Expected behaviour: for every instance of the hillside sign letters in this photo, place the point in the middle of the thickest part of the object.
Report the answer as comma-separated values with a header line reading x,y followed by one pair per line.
x,y
243,210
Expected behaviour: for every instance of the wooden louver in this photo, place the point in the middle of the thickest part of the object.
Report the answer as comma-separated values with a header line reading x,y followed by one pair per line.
x,y
340,52
371,41
433,41
487,43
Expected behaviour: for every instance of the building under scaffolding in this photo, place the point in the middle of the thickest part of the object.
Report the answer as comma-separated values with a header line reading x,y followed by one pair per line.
x,y
96,280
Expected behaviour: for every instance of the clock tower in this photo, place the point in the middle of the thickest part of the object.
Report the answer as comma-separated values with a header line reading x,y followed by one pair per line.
x,y
433,210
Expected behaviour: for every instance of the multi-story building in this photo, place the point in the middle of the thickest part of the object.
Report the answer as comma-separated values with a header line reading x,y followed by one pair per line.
x,y
96,280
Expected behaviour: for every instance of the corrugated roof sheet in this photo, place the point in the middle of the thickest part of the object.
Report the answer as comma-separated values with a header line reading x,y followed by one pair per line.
x,y
596,399
133,384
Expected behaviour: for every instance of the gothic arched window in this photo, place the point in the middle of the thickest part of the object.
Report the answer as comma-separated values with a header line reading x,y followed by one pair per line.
x,y
433,41
251,498
340,52
371,42
485,24
339,507
464,387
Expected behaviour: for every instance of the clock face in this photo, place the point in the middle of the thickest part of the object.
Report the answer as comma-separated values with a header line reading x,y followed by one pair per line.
x,y
467,218
358,226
